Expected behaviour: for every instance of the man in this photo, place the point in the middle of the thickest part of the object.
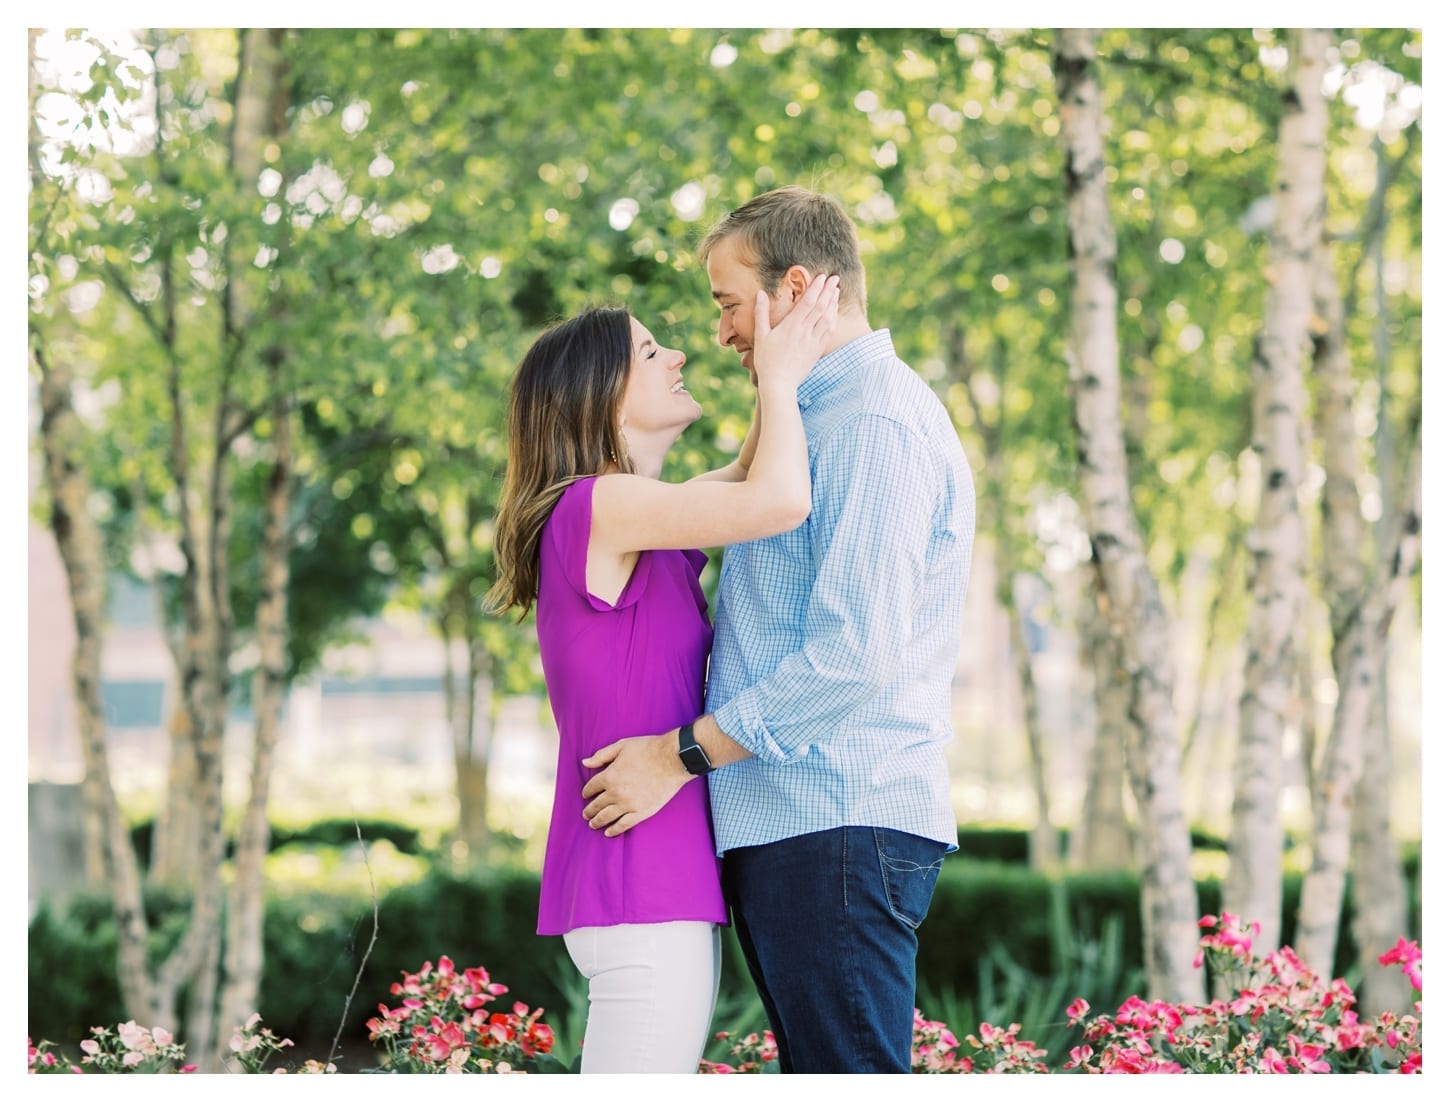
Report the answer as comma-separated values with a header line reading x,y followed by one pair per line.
x,y
829,698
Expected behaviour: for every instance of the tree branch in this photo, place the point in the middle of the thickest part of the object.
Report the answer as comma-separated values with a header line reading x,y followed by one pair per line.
x,y
367,953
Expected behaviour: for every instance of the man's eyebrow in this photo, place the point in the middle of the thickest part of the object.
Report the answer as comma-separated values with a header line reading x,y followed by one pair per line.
x,y
717,295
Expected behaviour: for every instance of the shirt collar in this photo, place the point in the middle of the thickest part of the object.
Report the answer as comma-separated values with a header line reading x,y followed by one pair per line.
x,y
833,369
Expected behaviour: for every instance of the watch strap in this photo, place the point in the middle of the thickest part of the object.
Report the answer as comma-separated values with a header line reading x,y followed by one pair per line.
x,y
692,754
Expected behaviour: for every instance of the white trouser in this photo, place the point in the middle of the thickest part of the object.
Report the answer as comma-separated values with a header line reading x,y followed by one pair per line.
x,y
652,993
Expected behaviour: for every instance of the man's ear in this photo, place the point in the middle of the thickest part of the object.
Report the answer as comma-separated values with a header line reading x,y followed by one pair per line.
x,y
796,280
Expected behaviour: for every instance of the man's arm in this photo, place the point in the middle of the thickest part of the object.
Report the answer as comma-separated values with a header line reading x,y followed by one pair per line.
x,y
644,773
870,526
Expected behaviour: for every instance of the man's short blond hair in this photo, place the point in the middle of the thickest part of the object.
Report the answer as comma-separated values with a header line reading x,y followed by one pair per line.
x,y
793,225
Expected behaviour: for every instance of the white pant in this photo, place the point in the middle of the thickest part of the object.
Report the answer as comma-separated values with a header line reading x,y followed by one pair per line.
x,y
652,993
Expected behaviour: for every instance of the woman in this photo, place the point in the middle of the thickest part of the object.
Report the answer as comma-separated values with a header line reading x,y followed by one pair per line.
x,y
609,552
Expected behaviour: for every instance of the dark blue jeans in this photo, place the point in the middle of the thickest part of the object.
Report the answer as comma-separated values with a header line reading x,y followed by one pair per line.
x,y
828,924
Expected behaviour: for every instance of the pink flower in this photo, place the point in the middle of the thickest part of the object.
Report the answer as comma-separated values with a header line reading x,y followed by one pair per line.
x,y
90,1048
1406,953
1272,1063
132,1035
1349,1034
433,1047
131,1059
1079,1056
1076,1009
1306,1056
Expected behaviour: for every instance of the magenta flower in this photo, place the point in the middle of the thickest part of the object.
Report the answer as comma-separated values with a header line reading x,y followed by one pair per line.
x,y
1406,953
1272,1063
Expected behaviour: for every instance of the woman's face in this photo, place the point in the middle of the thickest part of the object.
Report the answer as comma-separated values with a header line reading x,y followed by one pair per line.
x,y
655,398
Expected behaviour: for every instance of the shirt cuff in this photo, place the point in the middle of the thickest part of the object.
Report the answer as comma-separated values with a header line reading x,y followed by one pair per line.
x,y
740,719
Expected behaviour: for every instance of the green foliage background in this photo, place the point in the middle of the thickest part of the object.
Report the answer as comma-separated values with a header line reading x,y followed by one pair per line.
x,y
437,195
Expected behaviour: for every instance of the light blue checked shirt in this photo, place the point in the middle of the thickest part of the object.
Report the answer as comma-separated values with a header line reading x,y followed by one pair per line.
x,y
835,644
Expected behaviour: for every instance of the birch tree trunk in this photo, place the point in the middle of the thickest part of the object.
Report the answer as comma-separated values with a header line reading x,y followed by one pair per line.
x,y
85,570
1254,887
242,964
1137,612
473,720
109,853
1361,740
1358,656
1043,847
1377,881
1227,572
175,842
262,102
472,762
203,503
205,526
176,836
1378,884
1044,850
79,541
1104,838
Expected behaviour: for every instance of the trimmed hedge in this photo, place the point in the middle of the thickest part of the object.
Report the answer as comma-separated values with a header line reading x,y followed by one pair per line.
x,y
323,832
977,904
1010,845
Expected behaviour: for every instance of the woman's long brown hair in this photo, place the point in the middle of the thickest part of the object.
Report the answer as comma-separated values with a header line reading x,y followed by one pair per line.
x,y
563,425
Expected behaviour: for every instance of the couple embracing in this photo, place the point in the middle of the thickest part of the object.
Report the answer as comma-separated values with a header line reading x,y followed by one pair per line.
x,y
800,793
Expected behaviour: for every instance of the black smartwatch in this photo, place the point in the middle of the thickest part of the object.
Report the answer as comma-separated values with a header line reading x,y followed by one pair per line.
x,y
692,754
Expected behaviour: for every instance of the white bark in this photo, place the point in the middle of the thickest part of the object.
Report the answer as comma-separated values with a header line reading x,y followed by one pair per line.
x,y
1136,607
1358,656
1377,880
1379,887
109,852
1254,886
261,106
79,542
242,964
1043,849
1104,838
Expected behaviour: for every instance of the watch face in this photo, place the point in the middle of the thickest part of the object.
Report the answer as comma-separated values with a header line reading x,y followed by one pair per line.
x,y
696,760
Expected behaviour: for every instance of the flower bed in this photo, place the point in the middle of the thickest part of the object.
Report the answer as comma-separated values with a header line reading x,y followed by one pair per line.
x,y
1279,1019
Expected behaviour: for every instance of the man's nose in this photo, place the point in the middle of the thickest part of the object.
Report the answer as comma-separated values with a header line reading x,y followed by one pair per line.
x,y
726,331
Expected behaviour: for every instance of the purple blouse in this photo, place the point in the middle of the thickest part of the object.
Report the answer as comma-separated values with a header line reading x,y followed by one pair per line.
x,y
615,670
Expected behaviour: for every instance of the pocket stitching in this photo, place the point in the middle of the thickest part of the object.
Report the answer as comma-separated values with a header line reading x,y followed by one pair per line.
x,y
902,865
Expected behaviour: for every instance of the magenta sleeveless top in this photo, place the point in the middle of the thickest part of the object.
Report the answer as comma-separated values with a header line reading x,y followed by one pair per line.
x,y
635,667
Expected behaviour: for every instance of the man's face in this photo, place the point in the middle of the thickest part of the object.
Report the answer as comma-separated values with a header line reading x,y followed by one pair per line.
x,y
733,284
